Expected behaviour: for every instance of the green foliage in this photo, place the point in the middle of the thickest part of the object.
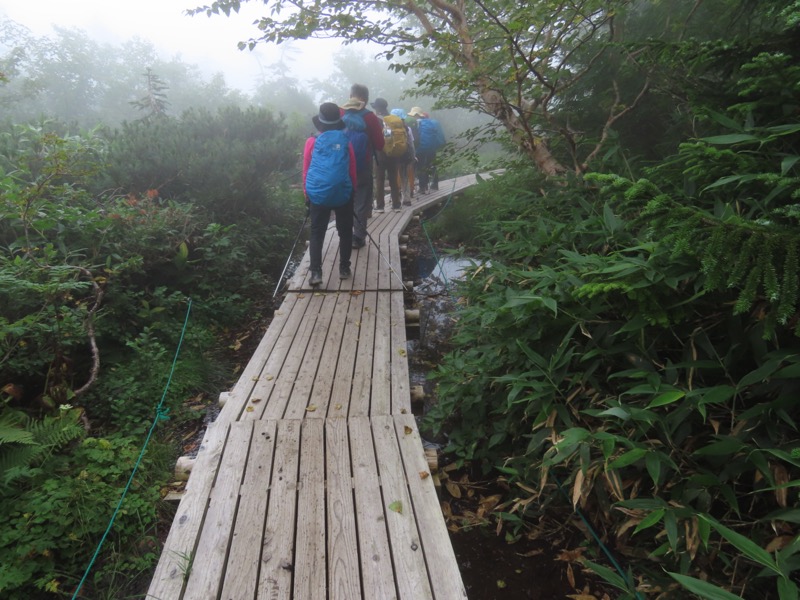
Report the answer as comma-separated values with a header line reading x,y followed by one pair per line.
x,y
25,442
229,162
591,352
53,523
94,293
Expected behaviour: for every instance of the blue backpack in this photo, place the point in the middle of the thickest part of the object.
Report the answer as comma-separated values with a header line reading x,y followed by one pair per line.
x,y
356,131
431,136
328,180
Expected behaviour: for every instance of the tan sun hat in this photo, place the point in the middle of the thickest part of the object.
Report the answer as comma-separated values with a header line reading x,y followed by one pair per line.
x,y
416,111
353,104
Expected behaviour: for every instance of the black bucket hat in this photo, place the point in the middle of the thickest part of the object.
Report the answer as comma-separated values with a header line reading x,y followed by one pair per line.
x,y
380,104
328,117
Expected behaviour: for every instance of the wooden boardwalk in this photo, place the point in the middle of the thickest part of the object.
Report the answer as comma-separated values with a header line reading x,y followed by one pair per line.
x,y
312,483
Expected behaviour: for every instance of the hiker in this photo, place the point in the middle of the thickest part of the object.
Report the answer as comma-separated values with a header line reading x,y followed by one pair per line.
x,y
407,161
366,134
329,182
430,139
395,143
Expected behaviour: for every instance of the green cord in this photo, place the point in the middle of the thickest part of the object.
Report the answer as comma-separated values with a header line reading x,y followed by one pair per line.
x,y
161,415
436,256
430,242
600,543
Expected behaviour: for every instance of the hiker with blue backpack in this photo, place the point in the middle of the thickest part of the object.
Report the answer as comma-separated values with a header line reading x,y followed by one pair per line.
x,y
431,138
364,130
329,182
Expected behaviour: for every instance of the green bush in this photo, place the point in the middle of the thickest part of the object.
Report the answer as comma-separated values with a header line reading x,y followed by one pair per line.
x,y
53,523
95,290
593,356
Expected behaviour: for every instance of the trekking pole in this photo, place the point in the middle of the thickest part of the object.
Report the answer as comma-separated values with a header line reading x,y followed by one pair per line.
x,y
288,260
378,248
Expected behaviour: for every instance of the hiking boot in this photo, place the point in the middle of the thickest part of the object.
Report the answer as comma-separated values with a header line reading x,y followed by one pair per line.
x,y
407,203
379,209
358,243
316,278
344,272
396,208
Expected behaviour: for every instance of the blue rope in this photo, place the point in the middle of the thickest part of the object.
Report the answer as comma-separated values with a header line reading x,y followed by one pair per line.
x,y
162,414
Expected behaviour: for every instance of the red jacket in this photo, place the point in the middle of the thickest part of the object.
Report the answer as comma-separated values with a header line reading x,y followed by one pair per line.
x,y
374,130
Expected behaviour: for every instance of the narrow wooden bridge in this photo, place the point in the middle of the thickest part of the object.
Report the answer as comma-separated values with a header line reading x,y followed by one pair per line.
x,y
312,483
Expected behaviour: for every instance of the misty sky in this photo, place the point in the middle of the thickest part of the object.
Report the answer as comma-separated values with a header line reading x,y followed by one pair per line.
x,y
207,42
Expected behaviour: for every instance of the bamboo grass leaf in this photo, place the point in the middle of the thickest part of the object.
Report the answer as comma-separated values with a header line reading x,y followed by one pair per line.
x,y
704,589
667,398
749,548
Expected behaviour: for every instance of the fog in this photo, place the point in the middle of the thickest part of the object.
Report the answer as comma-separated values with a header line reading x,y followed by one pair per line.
x,y
209,42
86,63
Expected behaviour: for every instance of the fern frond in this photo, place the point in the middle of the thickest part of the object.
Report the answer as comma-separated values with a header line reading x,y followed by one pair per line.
x,y
56,432
789,284
12,429
15,461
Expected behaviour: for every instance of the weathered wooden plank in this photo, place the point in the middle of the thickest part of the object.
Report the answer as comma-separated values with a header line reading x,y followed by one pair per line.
x,y
310,578
277,556
252,373
401,395
407,555
264,387
330,259
179,549
300,404
241,575
373,259
344,577
441,560
330,356
385,272
377,571
285,380
205,579
341,393
382,359
360,263
363,357
398,227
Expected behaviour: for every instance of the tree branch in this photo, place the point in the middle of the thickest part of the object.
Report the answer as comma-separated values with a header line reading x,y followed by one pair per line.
x,y
98,299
